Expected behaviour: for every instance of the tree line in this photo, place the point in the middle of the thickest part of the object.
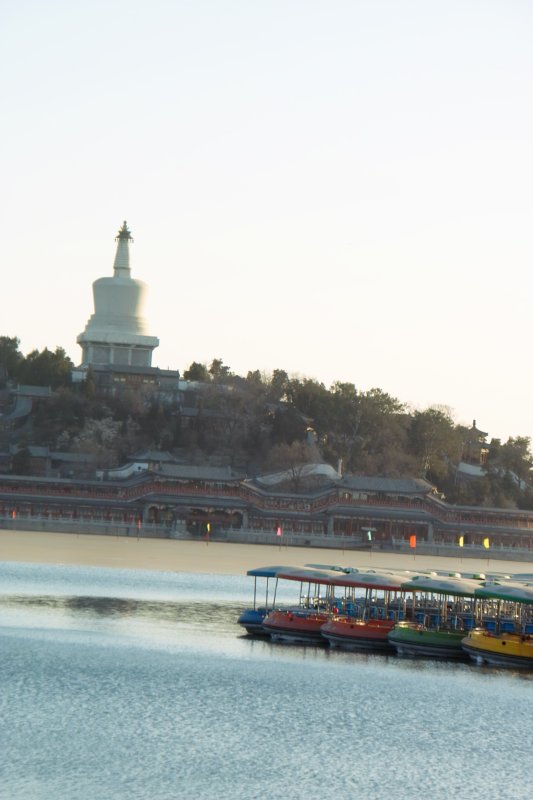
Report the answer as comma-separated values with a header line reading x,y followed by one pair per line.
x,y
265,422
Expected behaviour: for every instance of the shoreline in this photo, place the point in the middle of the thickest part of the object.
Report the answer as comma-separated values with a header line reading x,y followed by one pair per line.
x,y
225,558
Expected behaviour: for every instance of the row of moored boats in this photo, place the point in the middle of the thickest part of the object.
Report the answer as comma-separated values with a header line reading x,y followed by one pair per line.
x,y
488,618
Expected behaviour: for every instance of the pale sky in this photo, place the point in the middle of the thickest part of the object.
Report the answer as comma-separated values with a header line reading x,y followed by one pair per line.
x,y
339,189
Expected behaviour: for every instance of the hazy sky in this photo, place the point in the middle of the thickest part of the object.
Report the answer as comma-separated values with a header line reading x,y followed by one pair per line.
x,y
340,189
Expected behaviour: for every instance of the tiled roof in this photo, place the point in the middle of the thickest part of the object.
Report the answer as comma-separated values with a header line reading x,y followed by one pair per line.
x,y
395,485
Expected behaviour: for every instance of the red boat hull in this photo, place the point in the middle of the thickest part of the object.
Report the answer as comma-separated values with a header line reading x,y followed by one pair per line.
x,y
351,634
295,626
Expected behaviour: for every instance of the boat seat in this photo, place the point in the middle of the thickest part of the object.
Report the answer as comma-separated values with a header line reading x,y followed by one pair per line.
x,y
507,626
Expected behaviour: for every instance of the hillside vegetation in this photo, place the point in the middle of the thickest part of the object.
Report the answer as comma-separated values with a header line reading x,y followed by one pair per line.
x,y
261,423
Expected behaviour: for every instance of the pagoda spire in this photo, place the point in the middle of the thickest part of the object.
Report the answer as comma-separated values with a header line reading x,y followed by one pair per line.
x,y
116,334
122,258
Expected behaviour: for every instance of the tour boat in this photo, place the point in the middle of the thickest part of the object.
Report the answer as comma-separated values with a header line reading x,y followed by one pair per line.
x,y
364,623
303,622
444,611
252,618
511,642
499,650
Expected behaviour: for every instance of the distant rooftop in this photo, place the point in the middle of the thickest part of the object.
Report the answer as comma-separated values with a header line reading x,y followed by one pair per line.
x,y
396,485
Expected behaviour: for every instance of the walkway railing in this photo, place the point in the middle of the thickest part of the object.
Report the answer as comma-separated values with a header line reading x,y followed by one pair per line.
x,y
247,536
167,491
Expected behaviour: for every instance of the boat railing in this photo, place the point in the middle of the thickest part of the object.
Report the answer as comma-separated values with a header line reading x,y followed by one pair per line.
x,y
316,602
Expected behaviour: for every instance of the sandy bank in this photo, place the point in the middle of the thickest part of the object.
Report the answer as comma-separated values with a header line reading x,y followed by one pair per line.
x,y
215,557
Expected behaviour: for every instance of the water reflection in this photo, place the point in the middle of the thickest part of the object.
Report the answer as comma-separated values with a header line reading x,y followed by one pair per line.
x,y
207,612
141,618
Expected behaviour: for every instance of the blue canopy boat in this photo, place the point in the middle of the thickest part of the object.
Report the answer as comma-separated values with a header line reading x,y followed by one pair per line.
x,y
252,618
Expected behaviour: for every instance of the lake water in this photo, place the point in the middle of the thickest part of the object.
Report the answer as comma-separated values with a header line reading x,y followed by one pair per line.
x,y
132,685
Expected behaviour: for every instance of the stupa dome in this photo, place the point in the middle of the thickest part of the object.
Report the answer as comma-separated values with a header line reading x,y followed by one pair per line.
x,y
117,332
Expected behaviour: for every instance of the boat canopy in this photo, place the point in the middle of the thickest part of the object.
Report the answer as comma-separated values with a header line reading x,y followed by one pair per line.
x,y
365,570
510,590
333,567
307,575
458,587
371,580
268,572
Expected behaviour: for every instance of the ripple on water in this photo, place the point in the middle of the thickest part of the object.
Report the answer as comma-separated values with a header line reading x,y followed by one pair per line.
x,y
111,697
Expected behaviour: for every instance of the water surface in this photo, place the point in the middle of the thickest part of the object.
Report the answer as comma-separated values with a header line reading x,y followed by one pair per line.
x,y
122,684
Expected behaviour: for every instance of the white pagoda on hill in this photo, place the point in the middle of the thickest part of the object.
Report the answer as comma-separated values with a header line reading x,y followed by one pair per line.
x,y
116,334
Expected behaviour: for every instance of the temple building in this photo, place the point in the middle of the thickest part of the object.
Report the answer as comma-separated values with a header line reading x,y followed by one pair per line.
x,y
116,334
475,448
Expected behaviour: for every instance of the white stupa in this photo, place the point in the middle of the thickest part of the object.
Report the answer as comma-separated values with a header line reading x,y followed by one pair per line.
x,y
117,333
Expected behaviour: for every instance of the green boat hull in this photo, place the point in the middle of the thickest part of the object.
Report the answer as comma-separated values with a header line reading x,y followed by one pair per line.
x,y
416,640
